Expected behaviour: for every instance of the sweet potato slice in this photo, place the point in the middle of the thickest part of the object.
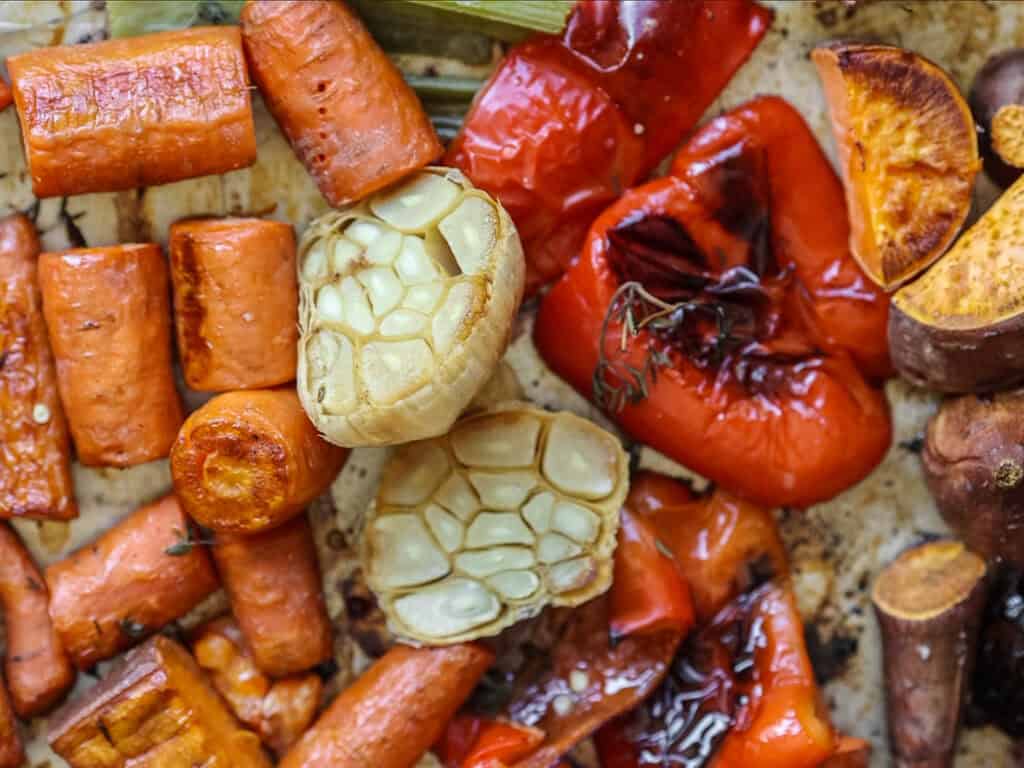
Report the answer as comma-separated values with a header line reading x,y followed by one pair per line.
x,y
1008,134
960,327
908,151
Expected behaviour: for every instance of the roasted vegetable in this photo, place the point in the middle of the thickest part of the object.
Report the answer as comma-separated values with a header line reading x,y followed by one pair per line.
x,y
394,712
12,752
122,114
959,328
722,321
280,711
515,509
35,465
126,18
566,122
37,669
249,461
909,154
929,603
273,582
6,96
973,461
998,690
850,753
235,302
998,89
141,574
474,742
108,316
154,708
406,304
350,117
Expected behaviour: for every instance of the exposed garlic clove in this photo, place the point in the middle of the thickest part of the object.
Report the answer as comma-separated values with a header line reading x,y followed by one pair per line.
x,y
447,609
417,203
404,553
384,249
576,522
505,442
414,265
338,387
454,316
394,369
538,511
491,528
441,254
413,474
514,585
314,264
581,459
471,230
357,314
571,575
423,298
345,256
384,288
552,548
487,562
364,232
446,528
322,351
329,305
458,497
507,490
402,323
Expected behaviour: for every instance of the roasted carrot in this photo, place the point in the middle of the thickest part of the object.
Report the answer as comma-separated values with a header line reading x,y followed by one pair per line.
x,y
143,573
134,112
108,316
35,467
350,117
273,582
250,461
37,668
12,754
392,714
236,302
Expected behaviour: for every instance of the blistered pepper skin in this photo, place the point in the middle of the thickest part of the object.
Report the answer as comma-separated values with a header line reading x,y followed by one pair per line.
x,y
350,117
35,464
108,315
236,301
134,112
37,668
138,576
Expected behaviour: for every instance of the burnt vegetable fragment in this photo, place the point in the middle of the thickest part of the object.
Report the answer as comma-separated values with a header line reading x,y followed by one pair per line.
x,y
998,686
974,463
929,603
997,102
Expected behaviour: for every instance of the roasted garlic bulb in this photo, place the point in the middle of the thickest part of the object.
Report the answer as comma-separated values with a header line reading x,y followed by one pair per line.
x,y
515,509
406,304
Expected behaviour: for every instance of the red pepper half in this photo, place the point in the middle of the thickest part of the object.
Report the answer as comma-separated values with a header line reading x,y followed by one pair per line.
x,y
757,377
489,743
567,122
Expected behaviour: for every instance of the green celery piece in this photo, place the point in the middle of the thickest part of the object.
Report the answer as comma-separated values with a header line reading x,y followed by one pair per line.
x,y
444,89
127,18
507,19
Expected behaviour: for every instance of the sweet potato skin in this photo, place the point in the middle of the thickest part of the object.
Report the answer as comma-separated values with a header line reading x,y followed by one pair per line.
x,y
134,112
128,583
250,461
12,754
236,302
394,712
154,709
37,668
35,465
273,582
350,117
108,316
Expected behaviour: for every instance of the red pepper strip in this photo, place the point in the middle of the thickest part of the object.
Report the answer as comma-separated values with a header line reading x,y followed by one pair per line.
x,y
648,592
503,743
6,95
810,229
567,122
772,442
458,739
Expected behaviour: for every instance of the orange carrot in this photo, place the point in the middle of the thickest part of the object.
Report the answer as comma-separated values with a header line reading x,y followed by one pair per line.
x,y
35,465
108,316
134,112
350,117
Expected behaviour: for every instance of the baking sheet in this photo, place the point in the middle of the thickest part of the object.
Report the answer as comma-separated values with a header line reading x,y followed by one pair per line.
x,y
836,548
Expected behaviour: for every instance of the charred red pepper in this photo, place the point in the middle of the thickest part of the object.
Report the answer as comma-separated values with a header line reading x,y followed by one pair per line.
x,y
740,693
719,316
567,122
477,742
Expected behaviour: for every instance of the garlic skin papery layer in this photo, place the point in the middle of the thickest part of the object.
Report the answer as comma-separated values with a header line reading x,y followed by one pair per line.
x,y
515,509
406,304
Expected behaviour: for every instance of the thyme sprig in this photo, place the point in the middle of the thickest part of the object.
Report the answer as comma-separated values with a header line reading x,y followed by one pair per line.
x,y
185,543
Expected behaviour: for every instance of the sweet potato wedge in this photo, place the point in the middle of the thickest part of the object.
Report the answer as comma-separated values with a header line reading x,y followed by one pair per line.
x,y
908,151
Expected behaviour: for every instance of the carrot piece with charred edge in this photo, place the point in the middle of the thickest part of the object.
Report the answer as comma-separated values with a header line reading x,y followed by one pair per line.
x,y
108,316
134,112
35,464
395,711
249,461
236,301
141,574
12,753
273,583
279,711
37,668
350,117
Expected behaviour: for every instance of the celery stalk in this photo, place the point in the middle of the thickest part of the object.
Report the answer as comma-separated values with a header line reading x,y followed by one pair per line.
x,y
537,15
127,18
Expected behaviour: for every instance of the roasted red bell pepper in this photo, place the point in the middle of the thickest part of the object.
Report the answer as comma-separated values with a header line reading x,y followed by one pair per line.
x,y
741,693
567,122
477,742
6,96
748,357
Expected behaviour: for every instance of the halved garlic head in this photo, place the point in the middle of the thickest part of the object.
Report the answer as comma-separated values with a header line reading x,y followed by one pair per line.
x,y
515,509
406,303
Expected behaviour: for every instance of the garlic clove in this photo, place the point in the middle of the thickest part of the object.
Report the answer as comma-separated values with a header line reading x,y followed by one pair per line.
x,y
447,609
404,553
505,490
487,562
314,265
394,369
576,522
357,314
571,575
446,528
581,459
457,312
413,474
417,203
364,232
423,298
402,322
458,497
552,548
471,231
507,441
345,257
384,288
514,585
329,305
384,249
491,528
538,512
322,351
414,265
339,386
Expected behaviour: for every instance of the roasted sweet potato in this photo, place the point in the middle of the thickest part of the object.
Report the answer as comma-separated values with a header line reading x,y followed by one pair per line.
x,y
273,582
236,302
108,316
960,327
35,465
12,753
998,91
37,668
908,151
250,461
134,112
154,709
141,574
